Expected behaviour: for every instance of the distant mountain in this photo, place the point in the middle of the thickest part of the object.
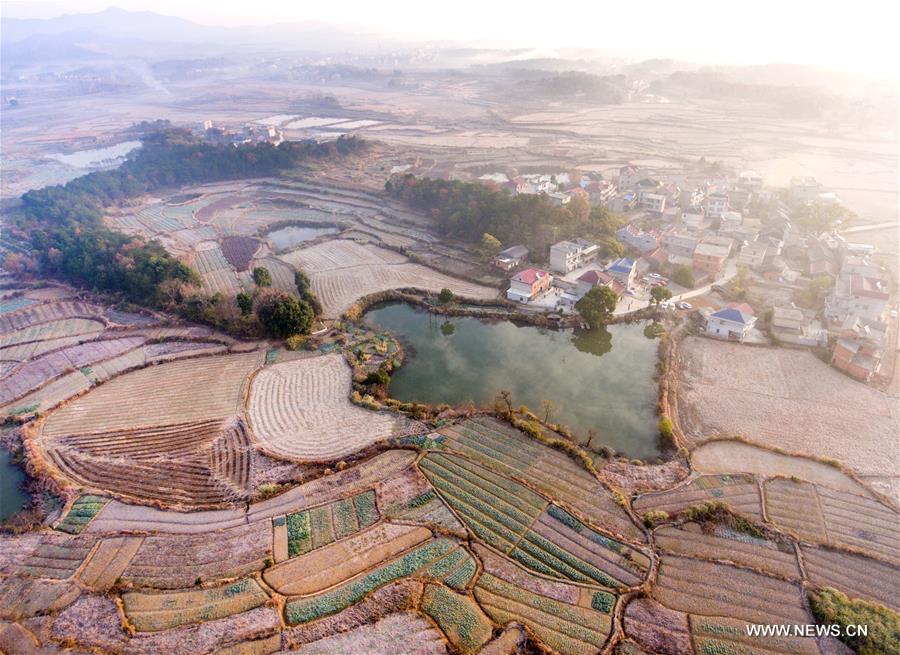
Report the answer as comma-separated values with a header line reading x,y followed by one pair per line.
x,y
114,22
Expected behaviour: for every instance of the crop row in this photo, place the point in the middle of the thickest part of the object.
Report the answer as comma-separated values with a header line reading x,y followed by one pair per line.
x,y
459,617
320,526
302,610
81,513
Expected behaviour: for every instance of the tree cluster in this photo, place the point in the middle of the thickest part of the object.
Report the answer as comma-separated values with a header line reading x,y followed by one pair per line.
x,y
468,211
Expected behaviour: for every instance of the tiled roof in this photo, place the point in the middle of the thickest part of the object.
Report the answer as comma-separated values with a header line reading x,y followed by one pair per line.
x,y
530,275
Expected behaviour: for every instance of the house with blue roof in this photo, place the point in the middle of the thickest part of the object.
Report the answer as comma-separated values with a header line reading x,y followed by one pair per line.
x,y
733,322
623,270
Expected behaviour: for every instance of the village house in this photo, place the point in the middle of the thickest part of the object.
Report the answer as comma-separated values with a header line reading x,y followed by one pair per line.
x,y
753,255
679,244
511,258
694,219
804,189
528,284
566,256
733,323
716,205
859,348
857,295
653,202
623,203
600,193
623,270
636,238
791,325
629,176
595,278
710,255
559,199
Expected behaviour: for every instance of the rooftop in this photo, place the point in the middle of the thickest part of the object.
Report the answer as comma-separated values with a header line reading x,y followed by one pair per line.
x,y
530,275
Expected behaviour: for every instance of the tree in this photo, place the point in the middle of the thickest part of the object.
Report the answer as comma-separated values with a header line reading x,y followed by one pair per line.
x,y
579,207
302,282
813,296
548,409
283,315
659,294
445,297
597,305
490,243
683,276
244,302
262,277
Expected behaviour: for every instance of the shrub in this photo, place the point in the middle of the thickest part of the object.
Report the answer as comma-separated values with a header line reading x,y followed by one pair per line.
x,y
262,277
655,517
833,607
445,297
666,430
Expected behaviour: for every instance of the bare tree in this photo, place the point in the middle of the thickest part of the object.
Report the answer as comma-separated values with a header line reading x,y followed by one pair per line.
x,y
548,409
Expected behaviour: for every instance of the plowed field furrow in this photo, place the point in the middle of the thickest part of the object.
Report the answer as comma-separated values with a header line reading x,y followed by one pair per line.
x,y
855,575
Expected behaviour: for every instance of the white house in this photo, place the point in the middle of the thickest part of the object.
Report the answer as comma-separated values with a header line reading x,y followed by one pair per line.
x,y
732,323
653,202
566,256
716,205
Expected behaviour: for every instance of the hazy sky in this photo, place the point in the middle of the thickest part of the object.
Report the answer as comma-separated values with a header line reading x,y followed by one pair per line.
x,y
859,36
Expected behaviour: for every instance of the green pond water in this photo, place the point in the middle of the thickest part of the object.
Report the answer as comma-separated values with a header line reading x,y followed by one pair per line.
x,y
12,498
597,379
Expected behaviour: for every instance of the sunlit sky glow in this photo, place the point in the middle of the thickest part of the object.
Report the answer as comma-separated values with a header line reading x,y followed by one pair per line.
x,y
858,36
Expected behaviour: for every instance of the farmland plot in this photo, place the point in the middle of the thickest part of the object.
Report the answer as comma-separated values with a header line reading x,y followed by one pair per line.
x,y
459,617
657,628
723,543
323,567
777,397
571,620
50,395
726,635
519,522
80,514
511,453
405,632
426,561
54,329
45,312
182,391
117,516
739,492
108,561
216,273
194,463
342,271
320,526
149,612
817,513
57,556
25,597
176,561
249,633
855,575
700,587
238,251
301,409
282,274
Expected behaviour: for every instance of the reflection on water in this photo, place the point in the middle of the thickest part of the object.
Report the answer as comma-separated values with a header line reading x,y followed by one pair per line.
x,y
598,379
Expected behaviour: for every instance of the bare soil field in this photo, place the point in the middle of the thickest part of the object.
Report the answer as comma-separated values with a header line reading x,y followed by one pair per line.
x,y
700,587
343,271
301,409
782,398
855,575
190,390
657,628
406,632
739,492
730,456
722,543
108,561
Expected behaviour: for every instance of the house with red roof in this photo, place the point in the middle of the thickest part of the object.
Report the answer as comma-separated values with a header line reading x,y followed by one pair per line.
x,y
594,278
526,285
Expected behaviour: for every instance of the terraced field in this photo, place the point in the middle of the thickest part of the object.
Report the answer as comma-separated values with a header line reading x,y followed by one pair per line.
x,y
517,521
511,453
827,516
57,556
404,632
108,561
739,492
343,271
176,392
45,313
723,543
571,620
149,612
194,463
855,575
725,635
301,409
176,561
217,274
699,587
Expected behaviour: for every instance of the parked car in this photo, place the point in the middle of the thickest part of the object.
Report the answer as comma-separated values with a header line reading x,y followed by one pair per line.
x,y
893,313
685,305
655,275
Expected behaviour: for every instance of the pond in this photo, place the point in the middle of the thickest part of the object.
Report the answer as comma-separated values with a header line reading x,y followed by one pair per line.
x,y
98,157
12,498
288,237
600,380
